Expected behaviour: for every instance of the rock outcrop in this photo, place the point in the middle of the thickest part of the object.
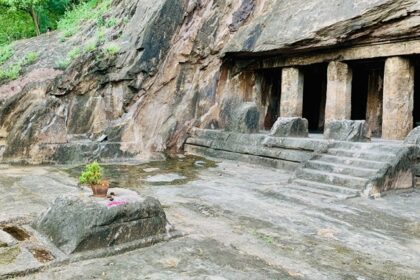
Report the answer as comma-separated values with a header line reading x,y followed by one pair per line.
x,y
172,71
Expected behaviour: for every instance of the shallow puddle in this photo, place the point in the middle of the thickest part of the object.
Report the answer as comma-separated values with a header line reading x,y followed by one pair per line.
x,y
42,255
18,233
173,171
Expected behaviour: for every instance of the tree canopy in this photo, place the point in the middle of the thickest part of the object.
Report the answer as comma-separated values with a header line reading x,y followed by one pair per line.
x,y
25,18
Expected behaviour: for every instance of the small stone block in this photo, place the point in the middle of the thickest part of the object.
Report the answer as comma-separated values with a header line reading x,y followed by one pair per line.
x,y
290,127
347,130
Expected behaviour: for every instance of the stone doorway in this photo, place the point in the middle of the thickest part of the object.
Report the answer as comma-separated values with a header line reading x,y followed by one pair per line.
x,y
270,96
314,96
367,94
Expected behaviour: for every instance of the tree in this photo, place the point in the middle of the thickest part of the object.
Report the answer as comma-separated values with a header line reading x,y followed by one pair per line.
x,y
28,6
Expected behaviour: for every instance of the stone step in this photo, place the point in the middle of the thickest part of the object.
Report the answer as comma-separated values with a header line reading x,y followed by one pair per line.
x,y
341,168
331,178
327,188
307,196
357,162
363,154
321,193
373,147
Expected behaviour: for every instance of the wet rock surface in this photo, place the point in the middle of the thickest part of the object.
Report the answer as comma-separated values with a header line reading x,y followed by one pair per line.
x,y
244,222
81,222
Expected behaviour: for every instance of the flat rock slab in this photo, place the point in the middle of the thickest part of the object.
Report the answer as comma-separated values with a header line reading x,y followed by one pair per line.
x,y
77,223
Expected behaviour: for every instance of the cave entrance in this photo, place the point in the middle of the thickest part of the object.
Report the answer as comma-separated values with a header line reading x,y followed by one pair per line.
x,y
367,94
270,96
416,109
314,96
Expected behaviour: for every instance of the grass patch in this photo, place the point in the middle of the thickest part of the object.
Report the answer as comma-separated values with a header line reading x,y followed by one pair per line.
x,y
6,52
90,47
30,58
111,49
11,72
90,11
63,63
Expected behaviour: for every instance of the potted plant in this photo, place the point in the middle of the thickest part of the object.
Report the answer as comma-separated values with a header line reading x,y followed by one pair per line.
x,y
92,176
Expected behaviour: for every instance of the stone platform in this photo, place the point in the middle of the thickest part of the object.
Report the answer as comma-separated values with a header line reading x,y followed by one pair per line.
x,y
339,169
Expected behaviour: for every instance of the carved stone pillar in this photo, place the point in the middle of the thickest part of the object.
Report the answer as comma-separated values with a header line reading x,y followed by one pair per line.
x,y
338,105
398,98
291,102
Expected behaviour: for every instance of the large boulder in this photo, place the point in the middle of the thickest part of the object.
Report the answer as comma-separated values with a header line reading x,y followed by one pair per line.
x,y
347,130
242,117
80,222
290,127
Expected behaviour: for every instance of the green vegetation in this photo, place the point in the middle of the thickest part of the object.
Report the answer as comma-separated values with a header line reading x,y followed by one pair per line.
x,y
90,47
5,53
92,10
111,49
11,72
92,175
72,55
26,18
30,58
14,25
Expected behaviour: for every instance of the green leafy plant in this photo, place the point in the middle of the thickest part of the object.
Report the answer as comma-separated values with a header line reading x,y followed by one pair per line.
x,y
92,175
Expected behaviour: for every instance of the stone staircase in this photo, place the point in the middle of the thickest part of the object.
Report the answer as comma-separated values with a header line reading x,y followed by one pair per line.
x,y
348,169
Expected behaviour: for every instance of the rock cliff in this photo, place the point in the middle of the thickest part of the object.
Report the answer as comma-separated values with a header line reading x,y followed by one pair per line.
x,y
164,68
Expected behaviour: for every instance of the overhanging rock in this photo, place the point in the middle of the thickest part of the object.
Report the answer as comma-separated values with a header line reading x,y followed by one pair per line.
x,y
81,223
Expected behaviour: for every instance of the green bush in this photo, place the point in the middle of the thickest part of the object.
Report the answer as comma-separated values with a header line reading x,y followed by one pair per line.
x,y
15,25
92,175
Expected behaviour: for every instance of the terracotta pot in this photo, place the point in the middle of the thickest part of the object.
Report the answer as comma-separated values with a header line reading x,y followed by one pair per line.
x,y
100,190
